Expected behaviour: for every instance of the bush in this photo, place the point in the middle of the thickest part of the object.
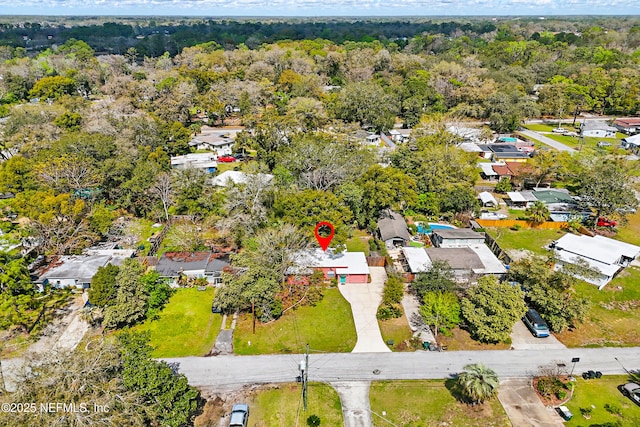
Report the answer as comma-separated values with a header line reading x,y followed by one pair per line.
x,y
372,245
313,421
561,394
586,412
516,227
613,409
386,312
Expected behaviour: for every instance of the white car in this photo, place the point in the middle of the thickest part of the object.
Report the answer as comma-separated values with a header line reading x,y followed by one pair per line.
x,y
492,215
632,390
559,130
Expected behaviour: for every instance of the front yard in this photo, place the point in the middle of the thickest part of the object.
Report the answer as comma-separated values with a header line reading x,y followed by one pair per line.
x,y
614,315
398,331
609,405
429,403
327,327
186,326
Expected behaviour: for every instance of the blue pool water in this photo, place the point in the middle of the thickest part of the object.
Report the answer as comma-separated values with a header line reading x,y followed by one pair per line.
x,y
422,229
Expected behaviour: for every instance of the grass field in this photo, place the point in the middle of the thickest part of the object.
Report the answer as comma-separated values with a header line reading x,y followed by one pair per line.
x,y
429,403
281,406
530,239
459,339
630,232
359,242
614,315
397,330
186,326
326,327
599,393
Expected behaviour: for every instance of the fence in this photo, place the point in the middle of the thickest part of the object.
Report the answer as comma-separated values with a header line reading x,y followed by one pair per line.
x,y
496,249
376,261
508,223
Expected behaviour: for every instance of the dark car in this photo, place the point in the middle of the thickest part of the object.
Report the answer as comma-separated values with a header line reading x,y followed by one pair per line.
x,y
239,415
215,308
632,391
240,156
536,324
226,159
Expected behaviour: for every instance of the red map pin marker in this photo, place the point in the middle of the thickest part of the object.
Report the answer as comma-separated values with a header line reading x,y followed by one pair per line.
x,y
324,234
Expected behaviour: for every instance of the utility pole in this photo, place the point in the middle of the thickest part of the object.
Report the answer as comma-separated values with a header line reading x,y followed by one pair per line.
x,y
304,376
253,315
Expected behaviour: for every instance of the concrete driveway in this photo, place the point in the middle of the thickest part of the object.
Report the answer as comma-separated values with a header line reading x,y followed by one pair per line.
x,y
364,300
522,339
551,142
354,397
523,407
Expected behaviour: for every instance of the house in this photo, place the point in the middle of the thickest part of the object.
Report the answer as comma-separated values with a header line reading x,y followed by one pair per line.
x,y
487,200
207,265
399,135
202,161
456,238
487,172
468,263
219,140
629,125
393,230
373,139
76,271
521,145
237,177
471,147
346,267
467,134
520,199
511,156
598,129
631,143
605,256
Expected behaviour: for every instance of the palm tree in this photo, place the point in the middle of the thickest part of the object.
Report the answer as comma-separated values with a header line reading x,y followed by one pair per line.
x,y
538,212
478,383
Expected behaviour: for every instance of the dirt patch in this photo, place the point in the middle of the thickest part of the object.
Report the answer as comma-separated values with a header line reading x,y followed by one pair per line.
x,y
218,406
461,340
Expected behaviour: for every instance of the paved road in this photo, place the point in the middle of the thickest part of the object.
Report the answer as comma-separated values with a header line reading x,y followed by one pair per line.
x,y
552,143
223,373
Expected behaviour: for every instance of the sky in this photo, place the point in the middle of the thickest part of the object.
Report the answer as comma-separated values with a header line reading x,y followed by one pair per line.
x,y
214,8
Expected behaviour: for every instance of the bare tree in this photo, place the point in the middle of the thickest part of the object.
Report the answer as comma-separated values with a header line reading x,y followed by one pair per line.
x,y
163,190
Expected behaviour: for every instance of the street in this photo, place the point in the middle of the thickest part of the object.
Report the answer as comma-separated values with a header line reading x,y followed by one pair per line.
x,y
222,373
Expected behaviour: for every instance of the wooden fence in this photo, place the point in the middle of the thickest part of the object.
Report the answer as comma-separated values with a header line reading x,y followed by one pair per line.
x,y
508,223
376,261
496,249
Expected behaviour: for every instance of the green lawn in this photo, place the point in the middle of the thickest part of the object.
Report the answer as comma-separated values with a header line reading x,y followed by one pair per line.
x,y
186,326
281,406
429,403
397,330
326,327
359,242
526,238
630,232
599,393
614,315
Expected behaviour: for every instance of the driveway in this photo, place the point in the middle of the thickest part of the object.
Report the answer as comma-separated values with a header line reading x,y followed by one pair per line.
x,y
411,308
550,142
523,407
354,397
522,339
364,300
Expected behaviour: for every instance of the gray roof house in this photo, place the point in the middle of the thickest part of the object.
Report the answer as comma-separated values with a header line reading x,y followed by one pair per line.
x,y
209,265
456,238
76,271
597,128
392,229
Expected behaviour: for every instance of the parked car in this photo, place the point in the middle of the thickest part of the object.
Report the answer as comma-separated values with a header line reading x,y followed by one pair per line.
x,y
564,412
226,159
569,133
603,144
632,391
240,156
492,215
604,222
239,415
215,308
559,130
536,324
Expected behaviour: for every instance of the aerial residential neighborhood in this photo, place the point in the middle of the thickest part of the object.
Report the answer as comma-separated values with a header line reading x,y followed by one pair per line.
x,y
322,222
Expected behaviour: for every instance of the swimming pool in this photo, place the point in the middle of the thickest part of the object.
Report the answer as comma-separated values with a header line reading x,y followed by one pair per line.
x,y
422,229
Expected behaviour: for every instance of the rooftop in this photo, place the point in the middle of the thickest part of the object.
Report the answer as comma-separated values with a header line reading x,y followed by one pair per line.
x,y
237,177
598,248
458,258
351,262
417,259
392,225
171,264
459,233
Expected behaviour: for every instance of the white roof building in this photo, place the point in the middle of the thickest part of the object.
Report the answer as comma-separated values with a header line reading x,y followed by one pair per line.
x,y
417,260
487,199
203,161
237,177
606,256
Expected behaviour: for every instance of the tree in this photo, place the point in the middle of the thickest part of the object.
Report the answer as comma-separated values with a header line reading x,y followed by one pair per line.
x,y
103,288
604,186
162,189
130,305
538,212
438,278
504,185
492,308
53,87
441,311
385,188
354,104
478,383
